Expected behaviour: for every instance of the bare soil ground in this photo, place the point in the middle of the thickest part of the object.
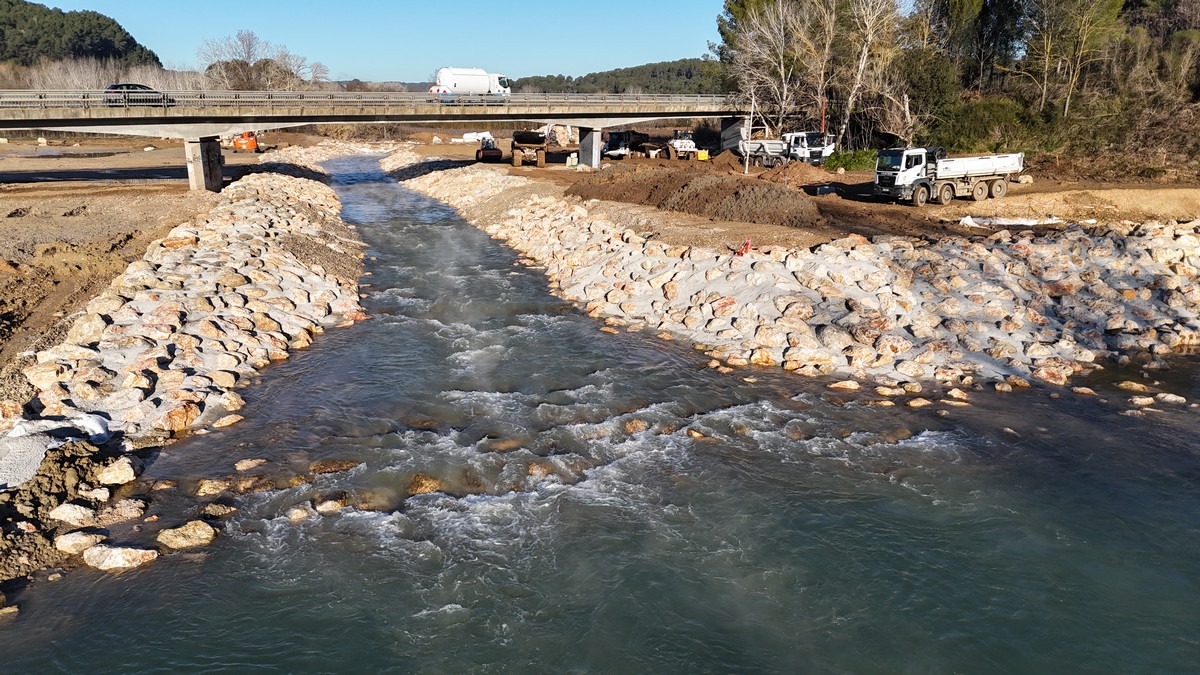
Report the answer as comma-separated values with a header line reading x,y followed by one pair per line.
x,y
844,202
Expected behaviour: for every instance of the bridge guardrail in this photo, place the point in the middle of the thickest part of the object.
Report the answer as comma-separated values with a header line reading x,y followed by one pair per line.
x,y
271,99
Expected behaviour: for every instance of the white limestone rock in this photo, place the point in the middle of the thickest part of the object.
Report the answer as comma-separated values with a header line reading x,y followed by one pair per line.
x,y
118,558
74,543
192,534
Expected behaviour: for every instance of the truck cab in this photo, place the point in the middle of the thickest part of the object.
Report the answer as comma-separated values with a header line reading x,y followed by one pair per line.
x,y
809,146
899,170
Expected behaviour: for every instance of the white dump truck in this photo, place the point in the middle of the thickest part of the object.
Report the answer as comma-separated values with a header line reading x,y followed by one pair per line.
x,y
812,147
922,175
452,82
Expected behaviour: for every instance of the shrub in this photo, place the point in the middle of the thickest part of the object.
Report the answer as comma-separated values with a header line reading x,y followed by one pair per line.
x,y
857,160
983,125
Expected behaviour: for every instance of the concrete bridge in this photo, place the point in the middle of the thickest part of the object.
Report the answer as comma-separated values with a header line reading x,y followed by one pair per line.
x,y
201,117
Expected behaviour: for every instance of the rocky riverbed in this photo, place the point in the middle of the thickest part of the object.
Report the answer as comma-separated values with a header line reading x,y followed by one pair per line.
x,y
892,312
161,353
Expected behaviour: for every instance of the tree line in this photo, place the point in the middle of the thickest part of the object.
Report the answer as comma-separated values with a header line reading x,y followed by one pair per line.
x,y
239,62
685,76
1052,75
30,33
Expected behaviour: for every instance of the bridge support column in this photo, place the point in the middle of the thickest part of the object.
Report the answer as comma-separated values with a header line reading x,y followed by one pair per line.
x,y
204,163
589,147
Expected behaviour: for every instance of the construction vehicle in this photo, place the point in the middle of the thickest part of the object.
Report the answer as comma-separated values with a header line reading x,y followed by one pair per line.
x,y
488,152
802,146
621,144
529,144
921,175
246,141
681,145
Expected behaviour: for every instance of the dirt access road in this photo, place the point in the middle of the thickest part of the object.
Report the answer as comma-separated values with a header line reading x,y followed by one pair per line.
x,y
717,205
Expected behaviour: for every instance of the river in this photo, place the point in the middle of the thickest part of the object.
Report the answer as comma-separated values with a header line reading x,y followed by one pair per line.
x,y
799,533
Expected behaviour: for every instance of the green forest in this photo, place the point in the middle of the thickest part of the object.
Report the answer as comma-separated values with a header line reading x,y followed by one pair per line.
x,y
1112,84
30,33
685,76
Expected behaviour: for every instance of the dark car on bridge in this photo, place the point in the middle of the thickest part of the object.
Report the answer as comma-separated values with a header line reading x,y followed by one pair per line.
x,y
126,94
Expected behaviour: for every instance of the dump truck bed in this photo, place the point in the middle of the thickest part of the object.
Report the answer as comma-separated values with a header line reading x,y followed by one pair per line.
x,y
989,165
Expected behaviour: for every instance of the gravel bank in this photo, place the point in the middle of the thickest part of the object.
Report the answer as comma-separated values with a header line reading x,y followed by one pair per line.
x,y
161,353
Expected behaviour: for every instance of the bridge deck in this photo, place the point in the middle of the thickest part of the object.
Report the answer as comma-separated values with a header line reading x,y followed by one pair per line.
x,y
258,110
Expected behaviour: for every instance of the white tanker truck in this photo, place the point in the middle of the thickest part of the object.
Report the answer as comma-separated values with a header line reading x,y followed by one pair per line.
x,y
453,83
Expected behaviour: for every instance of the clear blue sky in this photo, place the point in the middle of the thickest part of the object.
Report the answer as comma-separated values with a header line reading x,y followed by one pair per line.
x,y
407,40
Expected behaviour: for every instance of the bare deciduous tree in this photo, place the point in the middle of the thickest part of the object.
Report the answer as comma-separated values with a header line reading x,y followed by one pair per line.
x,y
1043,46
816,41
764,60
74,74
875,23
1088,27
245,61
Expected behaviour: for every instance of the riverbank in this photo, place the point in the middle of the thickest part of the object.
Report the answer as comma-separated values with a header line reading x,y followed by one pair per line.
x,y
160,354
890,312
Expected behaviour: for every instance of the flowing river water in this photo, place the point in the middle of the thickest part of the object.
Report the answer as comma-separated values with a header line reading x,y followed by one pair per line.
x,y
801,534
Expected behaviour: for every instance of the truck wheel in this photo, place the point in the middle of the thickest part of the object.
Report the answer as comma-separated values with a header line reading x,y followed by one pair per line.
x,y
945,194
478,155
671,153
541,159
517,157
920,195
979,191
999,188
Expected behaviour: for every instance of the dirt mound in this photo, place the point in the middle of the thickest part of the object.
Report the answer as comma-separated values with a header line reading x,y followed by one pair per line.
x,y
795,173
703,193
727,160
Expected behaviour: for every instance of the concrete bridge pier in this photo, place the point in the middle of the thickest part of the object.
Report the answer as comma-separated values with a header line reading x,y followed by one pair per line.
x,y
204,162
589,147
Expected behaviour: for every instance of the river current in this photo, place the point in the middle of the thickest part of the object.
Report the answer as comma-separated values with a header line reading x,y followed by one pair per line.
x,y
801,533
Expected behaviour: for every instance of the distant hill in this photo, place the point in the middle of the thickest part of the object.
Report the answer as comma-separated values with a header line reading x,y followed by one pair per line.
x,y
685,76
30,32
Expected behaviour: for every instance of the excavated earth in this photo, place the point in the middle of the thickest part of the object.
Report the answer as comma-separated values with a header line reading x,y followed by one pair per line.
x,y
704,193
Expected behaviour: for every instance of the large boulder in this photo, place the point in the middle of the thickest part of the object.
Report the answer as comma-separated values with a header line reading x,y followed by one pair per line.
x,y
73,514
192,534
74,543
116,558
120,472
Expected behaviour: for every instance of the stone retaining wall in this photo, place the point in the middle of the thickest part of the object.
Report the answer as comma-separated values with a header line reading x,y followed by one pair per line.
x,y
1002,308
165,346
